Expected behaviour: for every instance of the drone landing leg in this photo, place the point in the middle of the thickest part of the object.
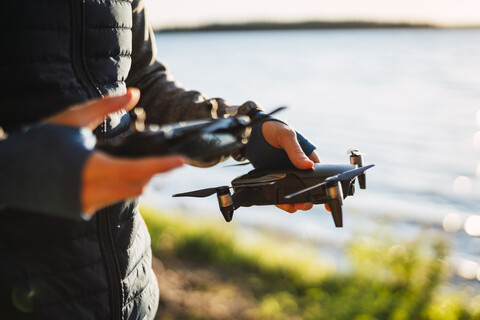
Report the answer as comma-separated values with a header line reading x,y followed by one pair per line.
x,y
362,180
227,213
336,208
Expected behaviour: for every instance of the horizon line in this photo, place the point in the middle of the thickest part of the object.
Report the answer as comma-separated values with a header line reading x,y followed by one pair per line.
x,y
308,25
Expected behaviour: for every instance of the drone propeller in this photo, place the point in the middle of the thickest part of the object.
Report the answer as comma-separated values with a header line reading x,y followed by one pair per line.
x,y
238,164
265,117
355,151
200,193
253,185
347,175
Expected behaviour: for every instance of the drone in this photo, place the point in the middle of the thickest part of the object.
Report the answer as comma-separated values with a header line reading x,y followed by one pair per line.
x,y
201,140
205,140
323,184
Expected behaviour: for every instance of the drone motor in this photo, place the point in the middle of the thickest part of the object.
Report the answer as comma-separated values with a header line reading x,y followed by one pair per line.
x,y
356,158
225,203
334,191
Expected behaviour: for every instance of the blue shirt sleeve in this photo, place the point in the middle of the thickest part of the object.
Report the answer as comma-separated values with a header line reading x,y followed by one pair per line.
x,y
262,155
41,169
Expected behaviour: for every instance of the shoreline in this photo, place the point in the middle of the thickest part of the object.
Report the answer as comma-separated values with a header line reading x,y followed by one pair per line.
x,y
209,272
305,25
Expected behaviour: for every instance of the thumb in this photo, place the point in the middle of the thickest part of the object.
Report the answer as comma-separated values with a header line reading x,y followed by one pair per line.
x,y
294,151
92,113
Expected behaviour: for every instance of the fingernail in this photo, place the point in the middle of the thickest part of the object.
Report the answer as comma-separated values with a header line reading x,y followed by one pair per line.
x,y
180,161
307,163
133,92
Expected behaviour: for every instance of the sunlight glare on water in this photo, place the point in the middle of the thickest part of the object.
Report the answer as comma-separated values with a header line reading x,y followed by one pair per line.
x,y
452,222
462,185
472,225
476,139
468,269
407,98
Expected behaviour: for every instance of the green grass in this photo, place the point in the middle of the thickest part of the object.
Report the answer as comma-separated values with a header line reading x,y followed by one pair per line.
x,y
386,280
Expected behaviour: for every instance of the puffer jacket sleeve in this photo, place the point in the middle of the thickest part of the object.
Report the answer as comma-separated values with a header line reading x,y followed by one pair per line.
x,y
41,169
163,98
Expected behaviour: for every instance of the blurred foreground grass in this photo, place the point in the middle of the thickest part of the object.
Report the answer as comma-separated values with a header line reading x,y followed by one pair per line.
x,y
262,279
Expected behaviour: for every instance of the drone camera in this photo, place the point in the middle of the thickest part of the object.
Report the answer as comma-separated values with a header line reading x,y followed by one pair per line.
x,y
225,203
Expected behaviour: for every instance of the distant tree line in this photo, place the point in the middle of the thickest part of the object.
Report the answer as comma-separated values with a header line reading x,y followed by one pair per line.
x,y
308,25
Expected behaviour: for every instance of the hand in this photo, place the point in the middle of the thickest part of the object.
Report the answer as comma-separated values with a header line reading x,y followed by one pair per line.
x,y
281,136
107,180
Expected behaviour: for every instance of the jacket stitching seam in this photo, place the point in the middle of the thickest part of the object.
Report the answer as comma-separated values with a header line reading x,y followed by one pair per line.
x,y
108,27
142,259
101,56
132,245
105,1
104,83
137,296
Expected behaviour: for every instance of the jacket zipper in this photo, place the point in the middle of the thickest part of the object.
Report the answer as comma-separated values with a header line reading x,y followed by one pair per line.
x,y
104,231
111,264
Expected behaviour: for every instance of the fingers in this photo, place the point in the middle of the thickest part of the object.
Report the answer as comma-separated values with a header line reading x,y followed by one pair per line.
x,y
107,180
102,194
92,113
295,153
303,206
292,208
103,166
282,136
314,157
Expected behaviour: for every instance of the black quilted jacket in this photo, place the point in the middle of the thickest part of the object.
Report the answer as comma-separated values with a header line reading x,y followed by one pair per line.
x,y
54,54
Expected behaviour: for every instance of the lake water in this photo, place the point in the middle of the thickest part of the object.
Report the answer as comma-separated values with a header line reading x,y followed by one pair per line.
x,y
409,99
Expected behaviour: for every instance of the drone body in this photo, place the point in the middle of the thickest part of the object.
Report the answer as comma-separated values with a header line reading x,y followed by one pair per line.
x,y
323,184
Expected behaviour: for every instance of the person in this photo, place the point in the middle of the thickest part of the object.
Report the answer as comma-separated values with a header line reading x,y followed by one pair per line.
x,y
72,241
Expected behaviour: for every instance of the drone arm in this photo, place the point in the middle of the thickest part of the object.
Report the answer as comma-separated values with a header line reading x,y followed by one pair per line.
x,y
242,197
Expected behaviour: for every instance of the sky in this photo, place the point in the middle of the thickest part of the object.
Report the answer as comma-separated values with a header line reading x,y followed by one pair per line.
x,y
194,12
